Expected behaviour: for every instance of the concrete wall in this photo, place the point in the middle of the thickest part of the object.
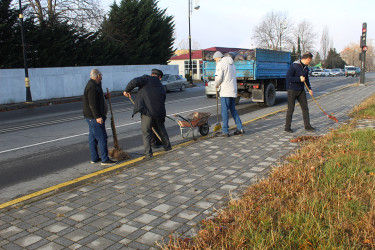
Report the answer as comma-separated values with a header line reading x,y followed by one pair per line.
x,y
47,83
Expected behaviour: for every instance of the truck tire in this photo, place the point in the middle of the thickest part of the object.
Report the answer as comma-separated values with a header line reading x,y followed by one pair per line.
x,y
269,95
237,100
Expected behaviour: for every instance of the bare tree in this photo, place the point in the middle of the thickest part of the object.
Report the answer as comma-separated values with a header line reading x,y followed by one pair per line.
x,y
86,13
274,31
324,43
350,54
305,32
184,44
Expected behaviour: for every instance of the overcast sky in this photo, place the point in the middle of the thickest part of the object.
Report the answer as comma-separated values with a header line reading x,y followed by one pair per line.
x,y
231,23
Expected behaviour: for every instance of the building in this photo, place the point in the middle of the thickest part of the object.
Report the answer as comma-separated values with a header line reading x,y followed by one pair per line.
x,y
196,59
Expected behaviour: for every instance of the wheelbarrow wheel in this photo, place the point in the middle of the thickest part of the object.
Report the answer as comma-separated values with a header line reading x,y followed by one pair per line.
x,y
204,129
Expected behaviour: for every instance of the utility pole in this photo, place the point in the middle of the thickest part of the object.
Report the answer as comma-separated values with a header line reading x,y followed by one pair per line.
x,y
27,81
364,49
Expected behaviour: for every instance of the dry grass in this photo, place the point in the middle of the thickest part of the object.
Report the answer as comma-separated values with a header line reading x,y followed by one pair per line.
x,y
322,198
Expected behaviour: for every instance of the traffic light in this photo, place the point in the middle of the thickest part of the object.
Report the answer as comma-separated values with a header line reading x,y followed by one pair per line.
x,y
363,37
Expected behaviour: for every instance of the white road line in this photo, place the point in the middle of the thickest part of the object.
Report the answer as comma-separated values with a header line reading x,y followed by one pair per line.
x,y
34,125
73,136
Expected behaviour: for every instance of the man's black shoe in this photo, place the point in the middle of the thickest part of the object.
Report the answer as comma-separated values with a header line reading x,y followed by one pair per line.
x,y
310,129
221,134
148,156
167,149
239,132
289,130
108,162
97,161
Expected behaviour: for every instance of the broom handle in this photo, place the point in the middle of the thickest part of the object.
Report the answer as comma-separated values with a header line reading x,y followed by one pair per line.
x,y
314,99
217,106
114,133
153,130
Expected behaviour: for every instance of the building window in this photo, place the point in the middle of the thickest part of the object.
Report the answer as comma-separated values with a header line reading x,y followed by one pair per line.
x,y
194,67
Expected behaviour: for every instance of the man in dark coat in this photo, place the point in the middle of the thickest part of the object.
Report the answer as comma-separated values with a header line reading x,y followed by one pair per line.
x,y
150,104
95,111
296,77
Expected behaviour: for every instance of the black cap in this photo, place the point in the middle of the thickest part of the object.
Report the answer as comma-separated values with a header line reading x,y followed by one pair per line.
x,y
157,72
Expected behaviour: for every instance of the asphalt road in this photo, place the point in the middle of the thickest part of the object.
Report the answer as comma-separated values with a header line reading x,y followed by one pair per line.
x,y
45,146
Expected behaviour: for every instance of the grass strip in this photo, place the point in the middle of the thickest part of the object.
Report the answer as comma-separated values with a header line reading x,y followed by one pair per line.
x,y
322,197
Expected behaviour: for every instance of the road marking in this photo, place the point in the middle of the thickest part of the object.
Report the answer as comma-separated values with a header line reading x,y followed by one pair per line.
x,y
75,118
73,136
65,184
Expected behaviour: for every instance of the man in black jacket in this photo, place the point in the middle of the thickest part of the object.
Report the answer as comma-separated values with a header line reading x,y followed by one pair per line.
x,y
296,77
95,111
150,104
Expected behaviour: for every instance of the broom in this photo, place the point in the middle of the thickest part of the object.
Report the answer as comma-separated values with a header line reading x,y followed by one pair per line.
x,y
115,152
153,130
217,124
329,116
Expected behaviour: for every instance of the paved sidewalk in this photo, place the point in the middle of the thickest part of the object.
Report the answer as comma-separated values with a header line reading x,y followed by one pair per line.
x,y
170,193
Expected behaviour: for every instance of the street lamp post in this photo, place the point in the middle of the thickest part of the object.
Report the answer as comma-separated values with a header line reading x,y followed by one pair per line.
x,y
27,81
190,9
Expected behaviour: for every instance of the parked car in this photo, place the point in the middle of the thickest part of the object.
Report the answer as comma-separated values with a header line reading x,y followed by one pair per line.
x,y
183,78
335,72
173,82
210,89
326,72
358,71
317,72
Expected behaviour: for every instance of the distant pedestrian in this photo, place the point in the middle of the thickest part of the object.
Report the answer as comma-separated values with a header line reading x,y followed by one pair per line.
x,y
296,77
150,104
95,111
226,82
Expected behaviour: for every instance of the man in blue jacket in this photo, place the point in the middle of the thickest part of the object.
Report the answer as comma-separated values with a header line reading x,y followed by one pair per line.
x,y
150,104
296,77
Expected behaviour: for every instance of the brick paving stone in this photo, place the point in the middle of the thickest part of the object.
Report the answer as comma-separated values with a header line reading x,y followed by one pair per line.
x,y
51,246
28,240
169,193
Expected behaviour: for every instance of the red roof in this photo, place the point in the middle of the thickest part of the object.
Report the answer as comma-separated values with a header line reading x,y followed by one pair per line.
x,y
197,54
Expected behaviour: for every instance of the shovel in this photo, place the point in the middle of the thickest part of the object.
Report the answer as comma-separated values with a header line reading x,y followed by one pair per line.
x,y
217,125
115,152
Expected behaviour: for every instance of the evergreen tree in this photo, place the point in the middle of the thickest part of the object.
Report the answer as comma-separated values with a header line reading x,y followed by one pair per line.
x,y
143,30
334,60
10,37
317,59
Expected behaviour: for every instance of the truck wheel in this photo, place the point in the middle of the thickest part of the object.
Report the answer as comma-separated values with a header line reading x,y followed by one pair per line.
x,y
210,96
237,100
269,95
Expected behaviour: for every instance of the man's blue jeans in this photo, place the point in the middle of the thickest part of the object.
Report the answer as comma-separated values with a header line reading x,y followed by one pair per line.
x,y
97,136
229,103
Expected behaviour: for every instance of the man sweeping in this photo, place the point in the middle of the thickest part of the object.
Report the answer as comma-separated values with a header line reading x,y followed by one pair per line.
x,y
296,77
150,104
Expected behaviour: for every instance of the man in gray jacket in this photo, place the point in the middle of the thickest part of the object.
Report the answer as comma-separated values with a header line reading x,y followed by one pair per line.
x,y
226,82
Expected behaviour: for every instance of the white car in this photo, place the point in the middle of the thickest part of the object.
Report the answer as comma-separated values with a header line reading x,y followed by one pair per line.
x,y
317,72
326,72
210,89
335,72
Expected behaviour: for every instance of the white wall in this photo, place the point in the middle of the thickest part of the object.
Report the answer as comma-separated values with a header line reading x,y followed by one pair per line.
x,y
47,83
